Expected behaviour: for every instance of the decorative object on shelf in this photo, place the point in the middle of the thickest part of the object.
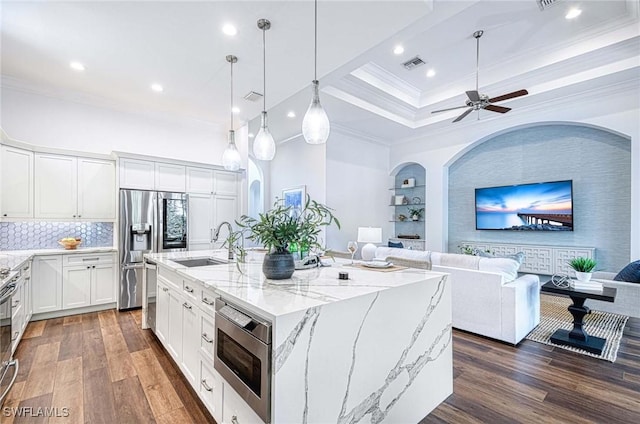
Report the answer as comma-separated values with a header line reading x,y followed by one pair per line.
x,y
402,218
293,198
70,243
264,147
583,267
408,236
399,200
315,124
231,157
278,228
409,182
369,235
415,213
416,200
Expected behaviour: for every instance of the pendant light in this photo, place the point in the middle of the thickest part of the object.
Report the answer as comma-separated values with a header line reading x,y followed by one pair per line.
x,y
315,125
264,148
231,157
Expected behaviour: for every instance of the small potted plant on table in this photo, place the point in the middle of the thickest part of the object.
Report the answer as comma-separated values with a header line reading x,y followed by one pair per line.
x,y
583,268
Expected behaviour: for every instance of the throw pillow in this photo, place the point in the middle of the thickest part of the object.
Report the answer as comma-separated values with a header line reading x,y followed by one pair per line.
x,y
398,245
519,257
630,273
506,267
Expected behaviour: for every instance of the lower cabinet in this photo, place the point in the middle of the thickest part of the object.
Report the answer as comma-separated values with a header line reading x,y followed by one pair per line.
x,y
76,287
190,342
210,388
162,311
235,410
46,285
174,336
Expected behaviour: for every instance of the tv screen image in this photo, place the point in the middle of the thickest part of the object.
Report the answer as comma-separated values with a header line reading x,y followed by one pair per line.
x,y
527,207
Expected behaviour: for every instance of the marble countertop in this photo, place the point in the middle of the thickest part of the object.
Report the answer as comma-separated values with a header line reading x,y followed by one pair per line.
x,y
13,259
306,289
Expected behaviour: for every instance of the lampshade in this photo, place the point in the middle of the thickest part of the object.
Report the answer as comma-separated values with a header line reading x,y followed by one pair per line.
x,y
264,147
369,235
315,125
231,157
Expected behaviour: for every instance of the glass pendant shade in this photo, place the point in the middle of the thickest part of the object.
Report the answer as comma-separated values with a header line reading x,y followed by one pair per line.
x,y
264,147
315,125
231,157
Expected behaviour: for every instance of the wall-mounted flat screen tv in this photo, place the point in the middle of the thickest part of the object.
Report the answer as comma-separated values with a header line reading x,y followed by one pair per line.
x,y
526,207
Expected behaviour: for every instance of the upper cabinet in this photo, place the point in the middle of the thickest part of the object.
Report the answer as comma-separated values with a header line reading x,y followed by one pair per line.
x,y
170,177
68,187
16,183
225,183
137,174
199,180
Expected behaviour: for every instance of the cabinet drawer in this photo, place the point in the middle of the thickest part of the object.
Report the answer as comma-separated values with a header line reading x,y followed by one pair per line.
x,y
191,290
210,388
171,278
207,336
87,259
235,410
207,300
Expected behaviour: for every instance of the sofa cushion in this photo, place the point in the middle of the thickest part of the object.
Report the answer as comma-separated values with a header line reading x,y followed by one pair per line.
x,y
516,256
506,267
416,255
630,273
456,260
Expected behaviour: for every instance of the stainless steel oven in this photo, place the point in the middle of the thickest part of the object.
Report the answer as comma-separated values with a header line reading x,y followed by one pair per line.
x,y
7,378
243,355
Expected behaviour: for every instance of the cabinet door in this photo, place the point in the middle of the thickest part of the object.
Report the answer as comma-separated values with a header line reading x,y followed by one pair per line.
x,y
16,190
207,332
136,173
76,286
199,180
235,410
46,284
200,225
170,177
162,312
210,389
56,186
103,288
225,183
190,343
96,189
225,209
174,336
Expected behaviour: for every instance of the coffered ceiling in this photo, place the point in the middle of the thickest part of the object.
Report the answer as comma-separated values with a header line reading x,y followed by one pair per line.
x,y
365,89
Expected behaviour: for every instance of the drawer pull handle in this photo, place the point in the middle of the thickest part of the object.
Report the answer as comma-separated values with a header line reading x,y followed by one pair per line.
x,y
206,386
90,259
188,289
207,301
15,336
186,305
234,419
164,289
206,338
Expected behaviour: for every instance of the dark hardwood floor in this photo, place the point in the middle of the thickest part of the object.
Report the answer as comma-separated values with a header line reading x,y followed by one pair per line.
x,y
105,369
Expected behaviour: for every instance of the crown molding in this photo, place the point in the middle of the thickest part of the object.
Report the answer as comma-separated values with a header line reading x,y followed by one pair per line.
x,y
378,77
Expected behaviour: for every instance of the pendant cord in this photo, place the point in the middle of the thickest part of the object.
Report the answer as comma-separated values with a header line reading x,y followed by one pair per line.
x,y
315,46
231,96
477,60
264,72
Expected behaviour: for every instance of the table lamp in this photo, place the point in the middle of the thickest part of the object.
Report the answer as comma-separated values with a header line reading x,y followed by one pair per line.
x,y
369,235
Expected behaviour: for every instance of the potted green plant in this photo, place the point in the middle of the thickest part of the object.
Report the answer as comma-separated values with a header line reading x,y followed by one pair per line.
x,y
583,267
415,213
281,227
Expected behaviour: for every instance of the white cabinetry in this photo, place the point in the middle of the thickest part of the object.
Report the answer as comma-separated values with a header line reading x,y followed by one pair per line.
x,y
235,410
225,183
69,187
170,177
190,342
137,174
199,180
16,188
162,311
200,221
225,208
103,287
76,287
46,284
174,336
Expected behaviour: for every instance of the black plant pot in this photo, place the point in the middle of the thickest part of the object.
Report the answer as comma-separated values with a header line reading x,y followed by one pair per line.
x,y
278,265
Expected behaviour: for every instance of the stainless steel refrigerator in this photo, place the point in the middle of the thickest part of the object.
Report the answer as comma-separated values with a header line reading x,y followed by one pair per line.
x,y
150,221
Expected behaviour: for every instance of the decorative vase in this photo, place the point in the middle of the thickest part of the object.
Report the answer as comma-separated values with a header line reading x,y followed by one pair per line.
x,y
583,276
278,265
415,218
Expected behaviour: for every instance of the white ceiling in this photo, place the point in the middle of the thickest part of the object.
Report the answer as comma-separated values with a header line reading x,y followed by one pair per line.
x,y
128,45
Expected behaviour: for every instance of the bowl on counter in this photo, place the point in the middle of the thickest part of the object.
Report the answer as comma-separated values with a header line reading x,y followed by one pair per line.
x,y
69,243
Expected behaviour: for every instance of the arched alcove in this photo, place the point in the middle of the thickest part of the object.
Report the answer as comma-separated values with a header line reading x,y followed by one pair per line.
x,y
408,194
597,161
256,189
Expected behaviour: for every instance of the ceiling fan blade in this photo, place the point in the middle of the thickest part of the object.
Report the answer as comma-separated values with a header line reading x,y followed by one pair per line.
x,y
499,109
508,96
474,96
465,113
451,108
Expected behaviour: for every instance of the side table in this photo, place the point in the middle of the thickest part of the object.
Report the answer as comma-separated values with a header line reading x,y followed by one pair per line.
x,y
577,337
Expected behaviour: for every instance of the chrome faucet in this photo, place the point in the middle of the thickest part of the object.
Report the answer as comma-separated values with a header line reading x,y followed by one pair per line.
x,y
216,235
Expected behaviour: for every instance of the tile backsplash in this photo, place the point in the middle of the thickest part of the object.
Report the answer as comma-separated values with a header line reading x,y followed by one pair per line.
x,y
45,235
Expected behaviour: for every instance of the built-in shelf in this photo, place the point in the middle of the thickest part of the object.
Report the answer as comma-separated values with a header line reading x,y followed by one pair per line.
x,y
407,188
406,220
410,204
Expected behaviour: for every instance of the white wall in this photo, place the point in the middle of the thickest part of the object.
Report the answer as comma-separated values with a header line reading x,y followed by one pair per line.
x,y
622,109
357,188
54,122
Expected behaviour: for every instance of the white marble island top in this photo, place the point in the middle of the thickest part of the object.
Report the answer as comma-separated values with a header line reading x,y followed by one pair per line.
x,y
306,289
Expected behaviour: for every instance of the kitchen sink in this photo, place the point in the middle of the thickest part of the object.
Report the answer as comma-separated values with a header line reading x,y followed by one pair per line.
x,y
193,262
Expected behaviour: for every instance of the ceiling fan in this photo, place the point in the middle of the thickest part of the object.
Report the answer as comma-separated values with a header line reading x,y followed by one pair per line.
x,y
479,101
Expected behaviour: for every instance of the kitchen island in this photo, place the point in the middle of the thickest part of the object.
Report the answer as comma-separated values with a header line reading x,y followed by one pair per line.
x,y
373,348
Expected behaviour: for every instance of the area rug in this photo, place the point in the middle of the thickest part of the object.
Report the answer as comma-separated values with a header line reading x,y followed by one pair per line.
x,y
554,315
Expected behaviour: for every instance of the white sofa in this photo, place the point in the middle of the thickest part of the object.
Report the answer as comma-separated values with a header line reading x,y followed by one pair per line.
x,y
488,297
627,300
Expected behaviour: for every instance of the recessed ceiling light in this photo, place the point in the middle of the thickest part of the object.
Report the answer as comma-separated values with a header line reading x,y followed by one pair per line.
x,y
77,66
398,49
291,114
157,88
251,135
573,13
235,110
229,29
431,72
